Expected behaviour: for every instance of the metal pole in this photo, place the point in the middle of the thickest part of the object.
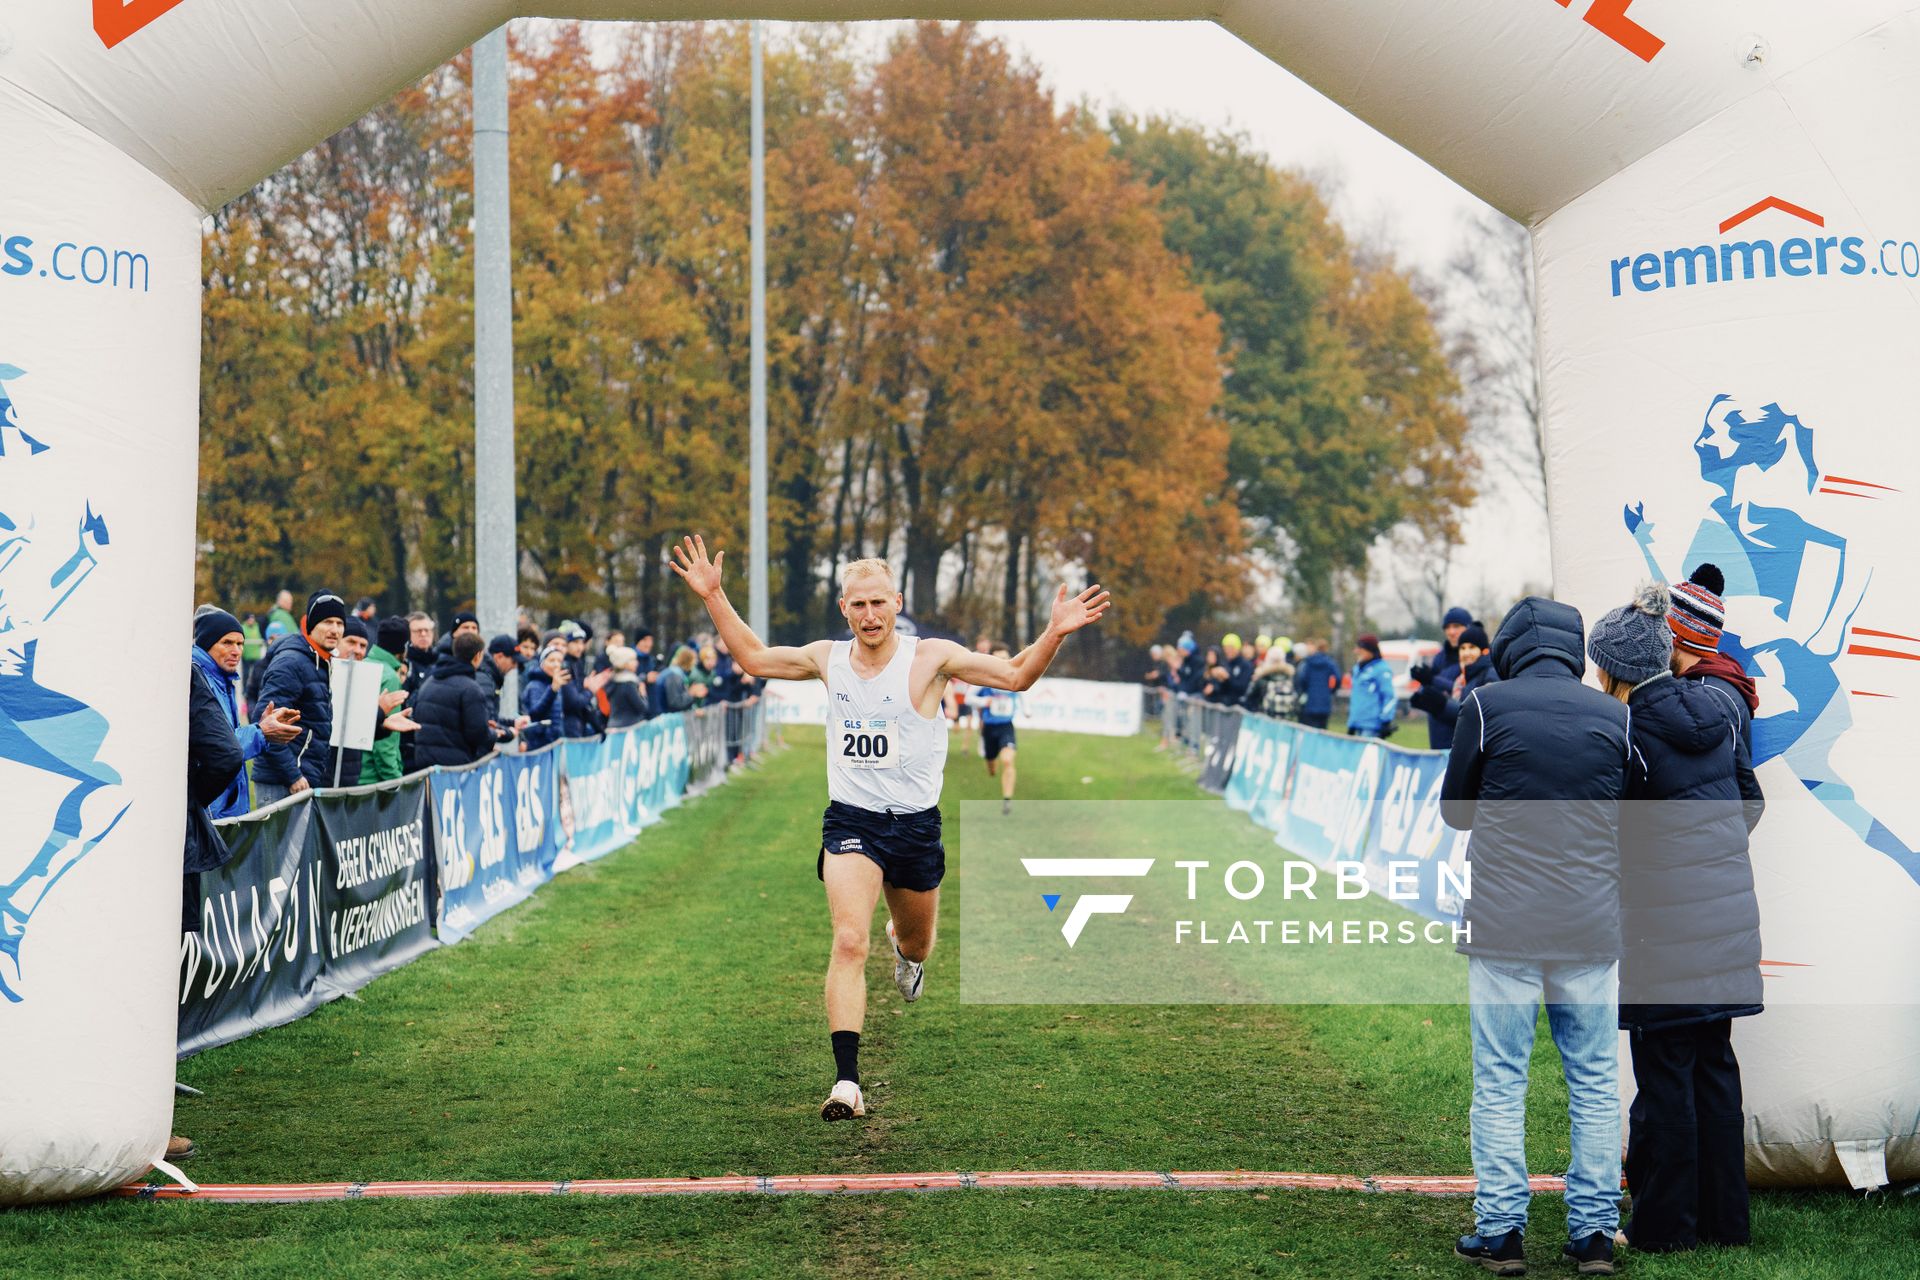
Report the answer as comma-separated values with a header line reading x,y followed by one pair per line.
x,y
757,579
495,553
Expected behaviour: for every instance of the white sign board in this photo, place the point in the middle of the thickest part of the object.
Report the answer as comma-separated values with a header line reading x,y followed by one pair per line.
x,y
356,703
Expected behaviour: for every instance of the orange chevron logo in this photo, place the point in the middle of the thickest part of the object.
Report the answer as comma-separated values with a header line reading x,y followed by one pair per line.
x,y
1771,202
115,20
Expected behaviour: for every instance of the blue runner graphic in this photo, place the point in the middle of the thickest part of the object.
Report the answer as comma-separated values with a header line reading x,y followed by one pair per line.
x,y
1763,532
42,563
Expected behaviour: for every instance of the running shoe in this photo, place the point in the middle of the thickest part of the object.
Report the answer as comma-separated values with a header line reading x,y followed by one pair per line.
x,y
908,975
844,1103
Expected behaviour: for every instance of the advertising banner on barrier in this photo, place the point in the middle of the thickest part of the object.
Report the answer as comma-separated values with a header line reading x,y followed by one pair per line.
x,y
485,862
1262,766
1319,791
1407,840
706,729
322,895
533,794
653,763
261,944
667,785
1081,706
618,785
1333,799
1222,727
595,797
376,881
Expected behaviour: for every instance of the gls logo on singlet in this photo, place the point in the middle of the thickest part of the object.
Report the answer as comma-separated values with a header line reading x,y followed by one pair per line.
x,y
115,20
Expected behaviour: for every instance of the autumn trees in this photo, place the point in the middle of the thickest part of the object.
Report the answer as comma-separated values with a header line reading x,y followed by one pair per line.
x,y
1005,340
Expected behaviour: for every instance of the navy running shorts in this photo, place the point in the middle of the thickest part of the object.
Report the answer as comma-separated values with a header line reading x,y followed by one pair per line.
x,y
905,846
995,738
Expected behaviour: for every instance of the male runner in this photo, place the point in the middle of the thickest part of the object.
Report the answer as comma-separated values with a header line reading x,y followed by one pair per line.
x,y
997,709
886,759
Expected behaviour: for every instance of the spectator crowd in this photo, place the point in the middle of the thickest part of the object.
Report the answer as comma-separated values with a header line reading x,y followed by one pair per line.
x,y
440,693
1288,679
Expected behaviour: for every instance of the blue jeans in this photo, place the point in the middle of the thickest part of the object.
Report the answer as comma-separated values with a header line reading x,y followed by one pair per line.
x,y
1583,1013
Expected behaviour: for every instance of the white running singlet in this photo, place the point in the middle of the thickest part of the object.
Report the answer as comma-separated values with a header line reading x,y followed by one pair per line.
x,y
882,754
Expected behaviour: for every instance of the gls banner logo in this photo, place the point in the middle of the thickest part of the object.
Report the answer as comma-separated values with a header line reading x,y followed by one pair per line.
x,y
1087,905
1763,257
115,20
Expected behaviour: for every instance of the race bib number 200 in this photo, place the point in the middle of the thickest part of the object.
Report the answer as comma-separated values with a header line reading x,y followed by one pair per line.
x,y
865,744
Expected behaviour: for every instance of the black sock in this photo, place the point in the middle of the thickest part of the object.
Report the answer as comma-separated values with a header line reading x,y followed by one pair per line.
x,y
846,1055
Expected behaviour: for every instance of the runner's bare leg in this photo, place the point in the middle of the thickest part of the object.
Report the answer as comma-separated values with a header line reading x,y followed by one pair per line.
x,y
915,913
853,887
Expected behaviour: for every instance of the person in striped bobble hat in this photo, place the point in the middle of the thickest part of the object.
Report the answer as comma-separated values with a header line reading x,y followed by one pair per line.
x,y
1696,614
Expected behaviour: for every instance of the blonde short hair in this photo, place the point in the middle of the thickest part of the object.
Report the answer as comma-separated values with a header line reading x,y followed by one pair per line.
x,y
865,569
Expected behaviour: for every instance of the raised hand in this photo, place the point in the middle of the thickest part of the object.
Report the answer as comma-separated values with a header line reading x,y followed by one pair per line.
x,y
279,724
690,562
1070,613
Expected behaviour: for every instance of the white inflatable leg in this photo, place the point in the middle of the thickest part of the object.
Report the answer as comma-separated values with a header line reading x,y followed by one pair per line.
x,y
99,364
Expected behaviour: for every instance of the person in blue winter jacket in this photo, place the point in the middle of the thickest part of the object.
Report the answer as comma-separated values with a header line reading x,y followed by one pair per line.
x,y
217,642
1315,677
1372,705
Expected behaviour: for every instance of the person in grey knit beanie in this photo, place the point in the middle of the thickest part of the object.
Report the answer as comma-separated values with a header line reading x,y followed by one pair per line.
x,y
1633,644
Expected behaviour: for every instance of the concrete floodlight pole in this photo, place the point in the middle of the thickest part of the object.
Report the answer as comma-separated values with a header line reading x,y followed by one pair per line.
x,y
757,610
495,548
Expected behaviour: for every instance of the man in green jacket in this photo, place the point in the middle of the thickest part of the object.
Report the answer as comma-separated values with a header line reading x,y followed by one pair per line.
x,y
382,764
282,612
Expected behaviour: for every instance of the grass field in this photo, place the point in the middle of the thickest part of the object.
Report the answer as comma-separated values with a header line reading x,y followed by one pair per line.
x,y
658,1013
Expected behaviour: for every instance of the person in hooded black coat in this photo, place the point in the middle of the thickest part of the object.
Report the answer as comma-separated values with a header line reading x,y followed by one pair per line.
x,y
451,708
1537,771
1545,880
1690,926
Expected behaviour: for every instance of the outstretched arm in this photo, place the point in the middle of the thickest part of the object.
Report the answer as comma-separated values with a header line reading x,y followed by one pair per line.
x,y
750,653
1070,613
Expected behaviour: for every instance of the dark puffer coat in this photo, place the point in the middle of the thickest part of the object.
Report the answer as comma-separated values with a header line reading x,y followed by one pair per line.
x,y
296,676
1537,770
1689,921
451,709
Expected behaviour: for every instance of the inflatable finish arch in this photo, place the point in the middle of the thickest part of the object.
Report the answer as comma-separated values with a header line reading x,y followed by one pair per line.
x,y
1727,229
